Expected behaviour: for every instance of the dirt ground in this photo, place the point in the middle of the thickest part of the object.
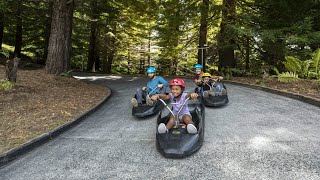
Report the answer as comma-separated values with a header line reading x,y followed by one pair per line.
x,y
40,103
304,87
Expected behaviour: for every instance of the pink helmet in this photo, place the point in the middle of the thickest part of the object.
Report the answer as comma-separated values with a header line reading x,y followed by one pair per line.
x,y
177,82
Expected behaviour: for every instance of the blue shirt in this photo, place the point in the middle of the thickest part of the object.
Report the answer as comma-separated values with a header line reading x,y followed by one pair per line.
x,y
154,83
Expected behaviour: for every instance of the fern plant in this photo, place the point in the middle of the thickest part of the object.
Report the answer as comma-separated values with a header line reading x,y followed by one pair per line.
x,y
287,77
293,64
316,61
5,53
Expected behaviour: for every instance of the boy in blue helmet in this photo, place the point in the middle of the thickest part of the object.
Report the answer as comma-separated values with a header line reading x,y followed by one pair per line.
x,y
156,85
197,79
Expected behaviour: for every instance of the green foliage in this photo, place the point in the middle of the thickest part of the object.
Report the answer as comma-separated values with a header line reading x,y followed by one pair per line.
x,y
67,73
5,53
275,30
293,64
312,75
226,73
287,77
316,61
6,85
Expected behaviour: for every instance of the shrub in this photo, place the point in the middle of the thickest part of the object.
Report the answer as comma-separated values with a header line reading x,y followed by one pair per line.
x,y
6,85
67,73
287,77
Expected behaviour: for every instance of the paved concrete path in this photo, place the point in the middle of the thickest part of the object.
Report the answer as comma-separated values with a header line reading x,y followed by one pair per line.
x,y
256,136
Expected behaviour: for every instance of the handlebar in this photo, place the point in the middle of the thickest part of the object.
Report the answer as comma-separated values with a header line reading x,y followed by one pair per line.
x,y
176,116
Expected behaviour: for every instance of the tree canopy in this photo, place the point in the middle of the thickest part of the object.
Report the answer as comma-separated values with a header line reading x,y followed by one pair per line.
x,y
126,36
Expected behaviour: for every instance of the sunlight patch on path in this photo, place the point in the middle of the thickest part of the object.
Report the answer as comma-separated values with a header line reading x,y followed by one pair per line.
x,y
93,78
267,144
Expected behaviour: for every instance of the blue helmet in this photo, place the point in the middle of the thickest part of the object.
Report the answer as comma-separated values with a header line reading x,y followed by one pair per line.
x,y
151,70
197,66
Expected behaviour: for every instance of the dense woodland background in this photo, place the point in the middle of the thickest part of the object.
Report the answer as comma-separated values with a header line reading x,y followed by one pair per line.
x,y
236,37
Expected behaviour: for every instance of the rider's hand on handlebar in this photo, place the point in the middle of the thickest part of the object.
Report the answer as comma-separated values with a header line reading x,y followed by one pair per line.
x,y
155,97
160,86
194,95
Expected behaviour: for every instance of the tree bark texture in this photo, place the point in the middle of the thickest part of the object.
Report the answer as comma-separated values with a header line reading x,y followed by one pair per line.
x,y
247,45
225,40
92,55
59,48
18,39
47,33
1,28
11,69
203,33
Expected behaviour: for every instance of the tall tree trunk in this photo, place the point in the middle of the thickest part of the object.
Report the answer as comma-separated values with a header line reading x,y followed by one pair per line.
x,y
1,28
129,59
149,49
92,55
59,48
47,32
97,62
68,44
225,40
109,63
247,53
142,60
11,69
18,40
203,33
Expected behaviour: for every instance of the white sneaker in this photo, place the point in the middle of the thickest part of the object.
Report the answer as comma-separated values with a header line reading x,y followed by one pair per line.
x,y
149,101
162,128
191,129
134,102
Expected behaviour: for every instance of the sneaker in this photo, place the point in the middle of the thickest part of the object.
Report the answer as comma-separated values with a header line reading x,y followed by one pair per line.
x,y
211,93
134,102
224,92
191,129
149,101
162,128
205,94
214,89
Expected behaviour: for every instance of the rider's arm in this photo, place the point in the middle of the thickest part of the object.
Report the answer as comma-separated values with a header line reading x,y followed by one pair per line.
x,y
217,77
164,82
160,96
164,96
192,95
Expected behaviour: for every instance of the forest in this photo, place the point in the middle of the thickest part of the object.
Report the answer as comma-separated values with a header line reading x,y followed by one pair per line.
x,y
230,37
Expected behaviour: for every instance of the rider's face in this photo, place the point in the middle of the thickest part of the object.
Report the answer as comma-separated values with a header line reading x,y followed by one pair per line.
x,y
151,75
198,71
176,90
206,79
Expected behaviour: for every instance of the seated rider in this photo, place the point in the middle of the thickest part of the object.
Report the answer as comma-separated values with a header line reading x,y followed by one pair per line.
x,y
177,98
197,78
209,87
156,85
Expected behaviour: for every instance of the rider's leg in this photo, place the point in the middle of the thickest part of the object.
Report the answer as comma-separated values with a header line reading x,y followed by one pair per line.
x,y
140,94
191,128
162,128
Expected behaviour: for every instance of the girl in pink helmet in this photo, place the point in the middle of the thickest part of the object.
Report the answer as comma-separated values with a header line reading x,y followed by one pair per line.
x,y
177,97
